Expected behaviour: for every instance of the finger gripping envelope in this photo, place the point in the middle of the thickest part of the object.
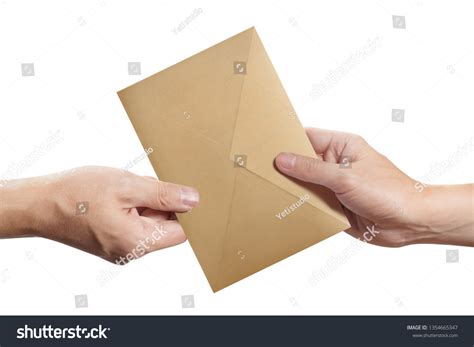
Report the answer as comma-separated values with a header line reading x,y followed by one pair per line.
x,y
215,122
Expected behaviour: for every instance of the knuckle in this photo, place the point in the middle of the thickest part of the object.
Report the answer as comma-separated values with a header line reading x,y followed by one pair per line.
x,y
308,165
126,185
163,194
356,138
347,181
360,139
352,136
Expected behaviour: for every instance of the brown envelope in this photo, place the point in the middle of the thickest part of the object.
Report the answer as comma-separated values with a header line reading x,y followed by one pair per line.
x,y
216,121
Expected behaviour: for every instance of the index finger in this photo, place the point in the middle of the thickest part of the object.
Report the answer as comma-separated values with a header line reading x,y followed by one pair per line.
x,y
162,196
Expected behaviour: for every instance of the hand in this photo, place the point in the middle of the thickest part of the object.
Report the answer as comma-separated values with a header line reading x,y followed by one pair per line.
x,y
383,205
111,213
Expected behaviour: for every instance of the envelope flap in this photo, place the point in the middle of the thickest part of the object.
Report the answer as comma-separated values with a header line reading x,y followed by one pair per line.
x,y
200,94
267,124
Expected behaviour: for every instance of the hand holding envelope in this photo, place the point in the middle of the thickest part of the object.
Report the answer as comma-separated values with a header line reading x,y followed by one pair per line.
x,y
216,121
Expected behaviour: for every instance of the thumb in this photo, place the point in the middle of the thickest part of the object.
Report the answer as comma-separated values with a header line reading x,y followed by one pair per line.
x,y
309,169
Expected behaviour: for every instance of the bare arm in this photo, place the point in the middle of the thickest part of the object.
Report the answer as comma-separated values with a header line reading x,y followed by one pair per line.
x,y
107,212
375,194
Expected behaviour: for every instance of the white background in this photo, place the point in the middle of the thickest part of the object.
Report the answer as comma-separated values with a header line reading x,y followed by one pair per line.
x,y
80,51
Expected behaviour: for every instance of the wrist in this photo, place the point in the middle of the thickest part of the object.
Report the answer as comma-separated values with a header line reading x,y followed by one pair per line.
x,y
25,208
444,215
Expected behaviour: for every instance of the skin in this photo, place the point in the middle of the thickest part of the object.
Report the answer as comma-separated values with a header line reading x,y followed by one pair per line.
x,y
373,191
124,211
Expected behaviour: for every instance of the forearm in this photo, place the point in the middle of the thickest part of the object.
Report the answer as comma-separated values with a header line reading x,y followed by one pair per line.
x,y
23,208
447,215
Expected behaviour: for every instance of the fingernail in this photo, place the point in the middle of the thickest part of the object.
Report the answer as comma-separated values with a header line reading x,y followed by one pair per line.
x,y
189,196
286,161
